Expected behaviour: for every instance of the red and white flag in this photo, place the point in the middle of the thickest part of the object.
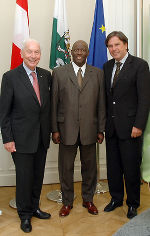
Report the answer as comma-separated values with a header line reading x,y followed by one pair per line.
x,y
21,31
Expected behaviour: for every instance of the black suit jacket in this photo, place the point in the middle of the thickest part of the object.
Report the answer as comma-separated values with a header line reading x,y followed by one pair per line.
x,y
22,117
129,101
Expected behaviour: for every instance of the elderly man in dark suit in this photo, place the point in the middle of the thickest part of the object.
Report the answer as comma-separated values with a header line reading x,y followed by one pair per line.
x,y
25,127
78,120
127,82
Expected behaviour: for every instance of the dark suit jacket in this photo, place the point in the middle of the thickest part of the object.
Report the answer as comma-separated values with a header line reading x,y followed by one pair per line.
x,y
75,110
22,118
130,100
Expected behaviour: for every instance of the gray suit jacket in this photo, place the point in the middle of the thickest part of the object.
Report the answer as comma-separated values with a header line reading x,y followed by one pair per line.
x,y
76,110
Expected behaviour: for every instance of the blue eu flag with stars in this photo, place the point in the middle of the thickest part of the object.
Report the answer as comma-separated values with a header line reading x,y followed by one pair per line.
x,y
97,49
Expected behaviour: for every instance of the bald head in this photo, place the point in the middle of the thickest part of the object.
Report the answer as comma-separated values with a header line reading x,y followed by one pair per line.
x,y
80,42
80,52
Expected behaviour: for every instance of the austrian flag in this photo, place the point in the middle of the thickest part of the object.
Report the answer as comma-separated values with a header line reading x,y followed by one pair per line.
x,y
21,31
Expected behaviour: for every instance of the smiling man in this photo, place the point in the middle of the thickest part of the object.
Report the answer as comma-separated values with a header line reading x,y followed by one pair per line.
x,y
78,120
127,82
25,127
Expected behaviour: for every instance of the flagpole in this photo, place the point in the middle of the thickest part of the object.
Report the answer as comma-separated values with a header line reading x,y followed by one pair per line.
x,y
59,56
97,57
20,34
101,186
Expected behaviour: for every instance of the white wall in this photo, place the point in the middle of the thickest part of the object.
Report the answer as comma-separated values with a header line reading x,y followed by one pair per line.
x,y
119,15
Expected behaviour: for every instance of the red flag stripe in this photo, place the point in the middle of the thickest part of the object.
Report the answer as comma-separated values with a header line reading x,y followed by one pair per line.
x,y
23,4
16,59
20,34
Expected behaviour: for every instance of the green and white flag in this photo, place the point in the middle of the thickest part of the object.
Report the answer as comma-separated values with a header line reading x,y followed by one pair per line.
x,y
60,44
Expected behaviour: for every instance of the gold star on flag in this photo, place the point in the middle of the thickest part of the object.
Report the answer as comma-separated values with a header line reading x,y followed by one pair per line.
x,y
102,28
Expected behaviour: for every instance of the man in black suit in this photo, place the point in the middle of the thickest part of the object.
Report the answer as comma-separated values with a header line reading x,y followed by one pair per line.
x,y
25,127
127,81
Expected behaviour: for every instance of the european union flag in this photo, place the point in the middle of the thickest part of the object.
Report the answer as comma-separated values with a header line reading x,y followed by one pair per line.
x,y
97,49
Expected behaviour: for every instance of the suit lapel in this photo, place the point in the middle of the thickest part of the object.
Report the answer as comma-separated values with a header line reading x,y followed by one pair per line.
x,y
41,85
109,73
124,69
87,76
26,81
72,75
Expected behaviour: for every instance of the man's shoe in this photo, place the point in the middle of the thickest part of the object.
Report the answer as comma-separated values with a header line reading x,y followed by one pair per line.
x,y
132,212
112,205
65,210
26,225
41,215
91,207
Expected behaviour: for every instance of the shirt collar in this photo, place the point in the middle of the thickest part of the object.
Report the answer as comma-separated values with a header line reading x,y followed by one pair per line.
x,y
76,68
28,71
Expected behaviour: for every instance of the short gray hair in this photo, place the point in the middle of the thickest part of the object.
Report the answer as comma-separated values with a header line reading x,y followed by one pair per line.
x,y
27,41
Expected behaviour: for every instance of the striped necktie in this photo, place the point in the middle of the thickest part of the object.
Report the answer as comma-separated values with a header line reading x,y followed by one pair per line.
x,y
118,64
79,77
36,86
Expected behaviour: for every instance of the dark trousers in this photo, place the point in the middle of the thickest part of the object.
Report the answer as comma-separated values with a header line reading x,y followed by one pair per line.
x,y
123,166
67,154
29,180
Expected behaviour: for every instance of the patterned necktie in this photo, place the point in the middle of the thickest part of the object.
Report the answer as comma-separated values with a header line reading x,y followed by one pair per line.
x,y
79,77
36,86
118,64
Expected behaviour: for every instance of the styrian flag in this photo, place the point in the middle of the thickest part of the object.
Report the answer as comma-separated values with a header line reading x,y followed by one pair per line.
x,y
21,31
60,43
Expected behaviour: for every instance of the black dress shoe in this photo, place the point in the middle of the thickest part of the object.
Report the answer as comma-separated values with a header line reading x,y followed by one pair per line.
x,y
112,205
41,215
26,225
132,212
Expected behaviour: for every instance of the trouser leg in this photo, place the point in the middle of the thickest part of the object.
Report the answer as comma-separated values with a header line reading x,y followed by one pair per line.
x,y
24,183
114,168
88,171
66,158
39,168
131,158
29,179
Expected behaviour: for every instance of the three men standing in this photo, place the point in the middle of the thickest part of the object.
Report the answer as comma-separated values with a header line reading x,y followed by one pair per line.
x,y
127,82
25,127
78,120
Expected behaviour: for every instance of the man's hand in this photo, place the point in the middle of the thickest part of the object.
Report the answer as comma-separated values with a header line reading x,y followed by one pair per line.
x,y
56,137
10,147
136,132
100,137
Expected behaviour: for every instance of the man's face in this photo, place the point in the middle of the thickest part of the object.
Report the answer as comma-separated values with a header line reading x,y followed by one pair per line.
x,y
117,48
79,53
31,54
